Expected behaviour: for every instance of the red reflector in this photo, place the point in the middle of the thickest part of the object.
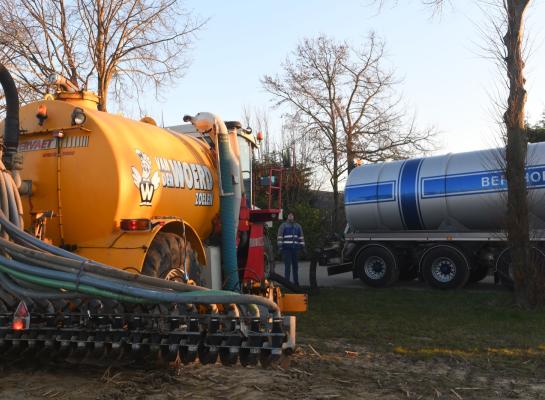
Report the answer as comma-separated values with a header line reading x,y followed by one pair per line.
x,y
22,310
21,317
140,224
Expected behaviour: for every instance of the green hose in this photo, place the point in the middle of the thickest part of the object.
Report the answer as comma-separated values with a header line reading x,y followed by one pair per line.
x,y
51,283
82,288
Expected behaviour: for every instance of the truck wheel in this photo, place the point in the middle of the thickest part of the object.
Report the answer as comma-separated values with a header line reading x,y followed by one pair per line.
x,y
504,265
445,267
376,266
504,269
171,257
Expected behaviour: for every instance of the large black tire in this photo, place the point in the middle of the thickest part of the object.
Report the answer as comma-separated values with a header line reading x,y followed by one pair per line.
x,y
171,257
504,265
445,267
376,266
504,269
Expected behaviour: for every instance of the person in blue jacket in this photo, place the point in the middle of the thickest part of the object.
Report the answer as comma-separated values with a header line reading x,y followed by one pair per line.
x,y
290,241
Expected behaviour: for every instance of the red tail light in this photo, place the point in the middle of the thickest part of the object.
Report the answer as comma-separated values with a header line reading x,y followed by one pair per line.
x,y
131,225
21,317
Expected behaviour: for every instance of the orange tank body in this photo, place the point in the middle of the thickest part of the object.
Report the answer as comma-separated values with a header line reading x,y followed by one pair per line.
x,y
87,178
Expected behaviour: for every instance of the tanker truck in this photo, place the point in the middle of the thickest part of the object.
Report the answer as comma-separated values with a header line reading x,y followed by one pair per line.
x,y
439,218
125,242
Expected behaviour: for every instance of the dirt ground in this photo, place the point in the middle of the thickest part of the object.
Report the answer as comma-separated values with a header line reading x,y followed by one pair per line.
x,y
345,372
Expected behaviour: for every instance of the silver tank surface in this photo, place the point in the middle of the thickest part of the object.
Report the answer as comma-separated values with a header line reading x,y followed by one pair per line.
x,y
464,191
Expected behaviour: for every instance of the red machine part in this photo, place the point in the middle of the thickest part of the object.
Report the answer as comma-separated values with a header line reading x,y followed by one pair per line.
x,y
255,265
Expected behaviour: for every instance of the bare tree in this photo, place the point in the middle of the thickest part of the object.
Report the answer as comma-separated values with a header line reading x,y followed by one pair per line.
x,y
343,99
115,46
505,47
527,274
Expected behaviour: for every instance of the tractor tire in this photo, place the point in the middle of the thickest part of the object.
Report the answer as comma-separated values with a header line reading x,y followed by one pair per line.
x,y
377,266
171,257
445,267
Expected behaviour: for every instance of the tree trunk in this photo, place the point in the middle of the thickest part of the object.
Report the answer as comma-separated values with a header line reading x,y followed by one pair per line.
x,y
103,97
335,183
335,221
526,272
350,152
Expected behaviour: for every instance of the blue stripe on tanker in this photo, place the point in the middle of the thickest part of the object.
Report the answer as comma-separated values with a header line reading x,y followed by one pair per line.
x,y
408,194
476,182
370,193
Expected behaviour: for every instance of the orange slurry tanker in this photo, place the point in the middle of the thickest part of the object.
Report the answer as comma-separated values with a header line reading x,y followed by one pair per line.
x,y
125,242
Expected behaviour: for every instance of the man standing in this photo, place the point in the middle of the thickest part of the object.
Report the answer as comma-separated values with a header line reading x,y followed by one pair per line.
x,y
290,241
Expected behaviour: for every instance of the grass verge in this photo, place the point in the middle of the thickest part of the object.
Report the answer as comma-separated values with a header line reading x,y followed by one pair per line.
x,y
425,322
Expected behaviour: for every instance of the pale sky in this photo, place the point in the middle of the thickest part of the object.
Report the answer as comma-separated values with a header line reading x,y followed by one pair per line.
x,y
445,77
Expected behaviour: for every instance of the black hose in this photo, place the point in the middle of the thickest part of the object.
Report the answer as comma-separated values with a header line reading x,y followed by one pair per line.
x,y
52,261
126,289
11,127
14,288
61,266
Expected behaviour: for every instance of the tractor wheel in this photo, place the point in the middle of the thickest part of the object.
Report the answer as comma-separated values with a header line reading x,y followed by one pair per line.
x,y
171,257
445,267
377,266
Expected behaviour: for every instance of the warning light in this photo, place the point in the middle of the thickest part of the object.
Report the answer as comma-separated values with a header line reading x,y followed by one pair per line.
x,y
41,114
259,136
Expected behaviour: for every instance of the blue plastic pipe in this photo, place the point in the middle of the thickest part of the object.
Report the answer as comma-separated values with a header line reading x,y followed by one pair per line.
x,y
227,213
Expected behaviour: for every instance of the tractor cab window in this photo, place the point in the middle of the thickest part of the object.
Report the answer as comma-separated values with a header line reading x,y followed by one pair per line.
x,y
246,167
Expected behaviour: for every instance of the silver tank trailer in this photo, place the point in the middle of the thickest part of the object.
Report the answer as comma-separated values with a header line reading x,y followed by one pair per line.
x,y
464,191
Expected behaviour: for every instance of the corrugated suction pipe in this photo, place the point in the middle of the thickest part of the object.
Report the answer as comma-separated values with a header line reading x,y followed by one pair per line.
x,y
229,195
11,127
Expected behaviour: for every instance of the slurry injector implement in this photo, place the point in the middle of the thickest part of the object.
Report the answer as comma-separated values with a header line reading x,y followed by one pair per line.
x,y
122,241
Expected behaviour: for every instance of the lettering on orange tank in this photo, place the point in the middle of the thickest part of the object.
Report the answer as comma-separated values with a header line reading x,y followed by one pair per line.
x,y
174,174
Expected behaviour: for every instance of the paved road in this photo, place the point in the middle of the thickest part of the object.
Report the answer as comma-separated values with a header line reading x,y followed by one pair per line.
x,y
345,280
341,280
